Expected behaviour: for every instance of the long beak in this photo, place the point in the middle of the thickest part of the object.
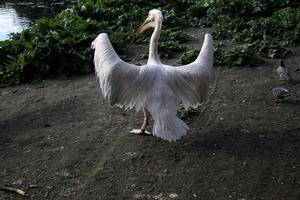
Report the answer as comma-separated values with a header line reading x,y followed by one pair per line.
x,y
143,27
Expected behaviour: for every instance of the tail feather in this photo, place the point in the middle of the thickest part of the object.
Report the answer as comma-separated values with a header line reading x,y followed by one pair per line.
x,y
171,128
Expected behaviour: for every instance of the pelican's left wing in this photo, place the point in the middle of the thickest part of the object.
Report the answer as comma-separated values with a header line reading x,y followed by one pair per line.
x,y
190,82
121,83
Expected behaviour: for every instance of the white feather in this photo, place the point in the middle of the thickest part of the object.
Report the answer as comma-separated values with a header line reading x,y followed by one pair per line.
x,y
156,87
190,82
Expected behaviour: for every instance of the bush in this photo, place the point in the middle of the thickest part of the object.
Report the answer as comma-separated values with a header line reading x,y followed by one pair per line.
x,y
51,47
61,46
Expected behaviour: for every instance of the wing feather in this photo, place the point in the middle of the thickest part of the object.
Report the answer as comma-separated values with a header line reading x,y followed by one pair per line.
x,y
121,83
190,82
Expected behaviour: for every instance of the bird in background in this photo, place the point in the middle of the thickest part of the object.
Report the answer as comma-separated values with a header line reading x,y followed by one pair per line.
x,y
283,72
266,38
280,93
155,88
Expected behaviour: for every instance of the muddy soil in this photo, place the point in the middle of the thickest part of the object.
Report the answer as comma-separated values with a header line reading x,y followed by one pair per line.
x,y
60,140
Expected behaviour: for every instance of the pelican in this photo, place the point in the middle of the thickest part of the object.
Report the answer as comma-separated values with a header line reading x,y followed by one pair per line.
x,y
155,88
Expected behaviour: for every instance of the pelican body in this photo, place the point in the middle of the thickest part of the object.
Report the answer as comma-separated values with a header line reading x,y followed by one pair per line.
x,y
155,88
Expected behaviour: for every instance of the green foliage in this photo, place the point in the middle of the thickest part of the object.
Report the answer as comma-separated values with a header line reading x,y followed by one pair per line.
x,y
281,26
184,113
61,46
51,47
242,55
249,54
189,56
169,42
244,23
273,50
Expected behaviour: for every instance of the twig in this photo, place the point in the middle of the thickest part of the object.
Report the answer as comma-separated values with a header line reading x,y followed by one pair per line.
x,y
15,190
48,191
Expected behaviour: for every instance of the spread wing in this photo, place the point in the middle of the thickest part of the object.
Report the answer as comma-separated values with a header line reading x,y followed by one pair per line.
x,y
190,82
121,83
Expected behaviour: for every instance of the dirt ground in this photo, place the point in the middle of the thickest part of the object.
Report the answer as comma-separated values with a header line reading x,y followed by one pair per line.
x,y
60,140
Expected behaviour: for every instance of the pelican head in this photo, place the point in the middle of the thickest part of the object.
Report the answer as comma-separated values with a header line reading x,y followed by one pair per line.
x,y
154,18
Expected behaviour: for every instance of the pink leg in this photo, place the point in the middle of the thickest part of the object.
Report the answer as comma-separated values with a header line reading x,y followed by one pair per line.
x,y
146,121
142,130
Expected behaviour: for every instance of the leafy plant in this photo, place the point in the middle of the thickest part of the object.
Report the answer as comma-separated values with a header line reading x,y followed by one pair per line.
x,y
51,47
244,23
61,45
184,113
189,56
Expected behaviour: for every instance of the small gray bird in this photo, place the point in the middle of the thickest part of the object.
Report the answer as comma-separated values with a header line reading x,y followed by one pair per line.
x,y
280,92
283,71
266,38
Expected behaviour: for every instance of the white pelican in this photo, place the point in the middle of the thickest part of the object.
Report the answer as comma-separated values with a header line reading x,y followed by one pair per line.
x,y
155,87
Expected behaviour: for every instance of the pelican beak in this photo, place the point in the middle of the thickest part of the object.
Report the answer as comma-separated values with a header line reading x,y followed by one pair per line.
x,y
143,27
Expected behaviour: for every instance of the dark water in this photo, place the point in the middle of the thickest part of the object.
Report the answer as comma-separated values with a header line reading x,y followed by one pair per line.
x,y
17,15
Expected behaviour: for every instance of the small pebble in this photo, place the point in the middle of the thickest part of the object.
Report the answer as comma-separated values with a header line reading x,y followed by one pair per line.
x,y
139,196
245,131
33,186
173,195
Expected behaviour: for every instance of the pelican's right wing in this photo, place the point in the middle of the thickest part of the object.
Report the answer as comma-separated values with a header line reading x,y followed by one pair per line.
x,y
190,82
121,83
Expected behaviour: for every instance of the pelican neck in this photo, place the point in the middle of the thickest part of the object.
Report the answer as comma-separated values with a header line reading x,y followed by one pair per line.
x,y
153,53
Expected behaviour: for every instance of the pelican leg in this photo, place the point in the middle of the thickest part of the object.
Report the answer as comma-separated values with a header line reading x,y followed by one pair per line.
x,y
146,121
142,130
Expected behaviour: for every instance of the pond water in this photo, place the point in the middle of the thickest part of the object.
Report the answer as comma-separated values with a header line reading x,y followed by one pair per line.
x,y
17,15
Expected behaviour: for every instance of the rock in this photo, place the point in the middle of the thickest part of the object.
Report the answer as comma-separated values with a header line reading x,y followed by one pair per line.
x,y
245,131
19,182
33,186
173,195
139,196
